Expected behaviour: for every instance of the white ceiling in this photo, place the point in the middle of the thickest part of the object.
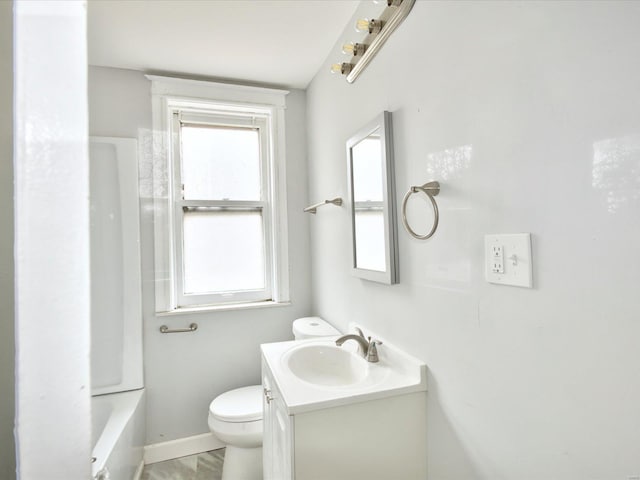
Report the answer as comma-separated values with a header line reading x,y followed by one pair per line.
x,y
279,42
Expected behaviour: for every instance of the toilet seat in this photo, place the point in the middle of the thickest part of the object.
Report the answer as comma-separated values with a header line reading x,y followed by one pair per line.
x,y
238,406
235,417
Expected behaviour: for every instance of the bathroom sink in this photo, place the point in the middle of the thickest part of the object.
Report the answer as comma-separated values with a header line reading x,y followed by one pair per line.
x,y
316,373
326,365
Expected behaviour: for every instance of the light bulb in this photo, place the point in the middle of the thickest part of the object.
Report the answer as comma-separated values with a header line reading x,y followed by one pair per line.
x,y
362,25
354,49
341,68
369,26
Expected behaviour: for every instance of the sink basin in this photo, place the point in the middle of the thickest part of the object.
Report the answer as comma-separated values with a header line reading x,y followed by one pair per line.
x,y
326,365
316,373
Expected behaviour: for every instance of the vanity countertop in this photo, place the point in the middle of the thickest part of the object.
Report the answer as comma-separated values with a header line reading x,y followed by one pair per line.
x,y
396,373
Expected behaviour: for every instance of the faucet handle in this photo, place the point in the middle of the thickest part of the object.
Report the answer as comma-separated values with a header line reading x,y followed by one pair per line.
x,y
360,333
372,351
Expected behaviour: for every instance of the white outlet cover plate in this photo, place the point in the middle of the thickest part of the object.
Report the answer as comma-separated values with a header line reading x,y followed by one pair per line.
x,y
516,254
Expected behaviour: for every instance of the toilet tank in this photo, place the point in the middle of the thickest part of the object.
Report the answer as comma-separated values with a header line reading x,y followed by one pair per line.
x,y
312,327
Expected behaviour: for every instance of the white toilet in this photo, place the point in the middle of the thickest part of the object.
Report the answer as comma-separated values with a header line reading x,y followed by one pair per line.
x,y
235,417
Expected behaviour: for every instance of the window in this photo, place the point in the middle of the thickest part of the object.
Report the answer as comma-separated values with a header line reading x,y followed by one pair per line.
x,y
219,207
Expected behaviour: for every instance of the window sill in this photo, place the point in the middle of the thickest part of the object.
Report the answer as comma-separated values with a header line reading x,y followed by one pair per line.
x,y
221,308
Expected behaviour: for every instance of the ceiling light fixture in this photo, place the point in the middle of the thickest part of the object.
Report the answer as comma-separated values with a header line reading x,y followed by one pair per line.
x,y
377,30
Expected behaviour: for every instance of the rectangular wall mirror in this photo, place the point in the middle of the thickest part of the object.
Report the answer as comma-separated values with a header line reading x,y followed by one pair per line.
x,y
371,202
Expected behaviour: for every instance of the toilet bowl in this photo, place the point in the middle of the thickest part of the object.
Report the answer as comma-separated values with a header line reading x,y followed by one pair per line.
x,y
235,417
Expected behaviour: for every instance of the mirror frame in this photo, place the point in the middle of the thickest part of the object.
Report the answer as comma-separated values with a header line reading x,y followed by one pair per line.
x,y
390,275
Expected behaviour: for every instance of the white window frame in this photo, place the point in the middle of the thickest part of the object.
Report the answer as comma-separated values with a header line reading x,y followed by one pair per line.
x,y
195,102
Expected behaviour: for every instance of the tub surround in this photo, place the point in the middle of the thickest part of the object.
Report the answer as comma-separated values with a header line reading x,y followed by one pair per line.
x,y
116,296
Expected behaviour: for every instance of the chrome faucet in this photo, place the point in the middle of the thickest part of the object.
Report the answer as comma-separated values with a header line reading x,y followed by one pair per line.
x,y
367,346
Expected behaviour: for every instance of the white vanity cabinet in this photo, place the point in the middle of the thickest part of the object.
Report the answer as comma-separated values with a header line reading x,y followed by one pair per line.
x,y
278,431
374,439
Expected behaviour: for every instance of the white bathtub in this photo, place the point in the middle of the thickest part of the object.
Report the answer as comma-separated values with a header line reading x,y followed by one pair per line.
x,y
118,434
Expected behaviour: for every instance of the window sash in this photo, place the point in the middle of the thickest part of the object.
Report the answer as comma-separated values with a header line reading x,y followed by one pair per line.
x,y
181,117
243,181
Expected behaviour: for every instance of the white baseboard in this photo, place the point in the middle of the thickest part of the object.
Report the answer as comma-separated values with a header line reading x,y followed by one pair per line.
x,y
159,452
138,474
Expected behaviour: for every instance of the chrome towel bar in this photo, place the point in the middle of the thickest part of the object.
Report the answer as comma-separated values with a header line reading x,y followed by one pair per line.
x,y
431,189
192,328
312,209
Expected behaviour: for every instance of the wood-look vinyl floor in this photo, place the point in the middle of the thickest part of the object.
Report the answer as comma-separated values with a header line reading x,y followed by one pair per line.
x,y
204,466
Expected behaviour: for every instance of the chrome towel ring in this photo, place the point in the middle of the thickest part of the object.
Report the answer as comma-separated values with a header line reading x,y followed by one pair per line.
x,y
431,189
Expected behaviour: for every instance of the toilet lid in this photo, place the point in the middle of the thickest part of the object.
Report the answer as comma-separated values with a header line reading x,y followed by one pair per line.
x,y
239,405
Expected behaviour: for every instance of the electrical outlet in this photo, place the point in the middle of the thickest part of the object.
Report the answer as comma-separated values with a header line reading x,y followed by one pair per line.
x,y
515,248
497,262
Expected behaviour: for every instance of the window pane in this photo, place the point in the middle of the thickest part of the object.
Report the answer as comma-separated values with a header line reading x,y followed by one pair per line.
x,y
369,225
367,169
220,163
223,251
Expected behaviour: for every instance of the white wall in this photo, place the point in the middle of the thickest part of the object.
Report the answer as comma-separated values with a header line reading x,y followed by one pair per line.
x,y
7,351
527,113
51,241
184,372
